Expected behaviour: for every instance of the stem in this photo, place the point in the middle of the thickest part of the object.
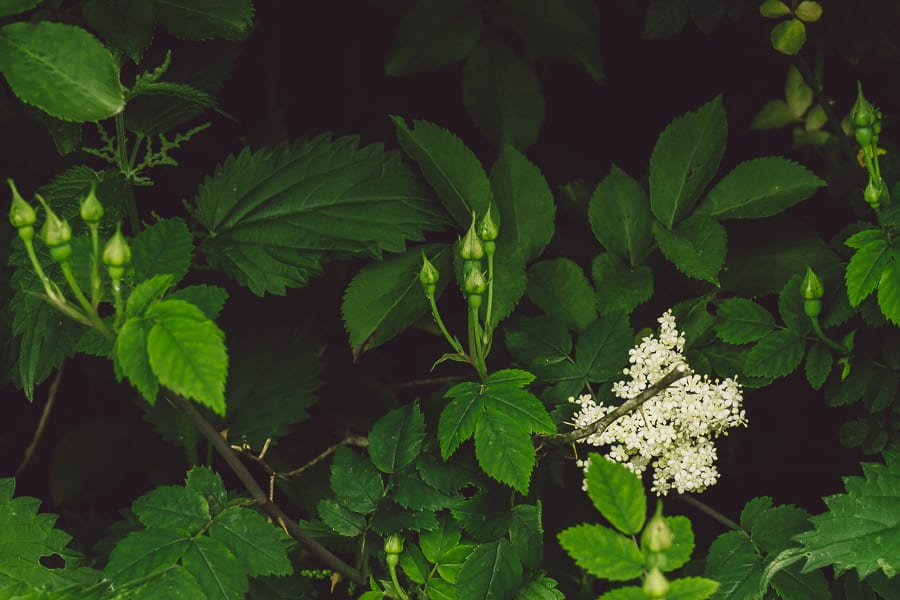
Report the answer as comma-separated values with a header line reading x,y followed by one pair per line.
x,y
396,583
490,300
601,424
89,310
96,282
45,281
119,305
122,148
709,511
817,329
256,492
348,441
475,348
437,318
42,423
813,82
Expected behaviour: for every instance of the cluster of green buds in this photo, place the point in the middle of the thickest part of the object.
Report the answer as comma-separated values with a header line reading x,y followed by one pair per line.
x,y
656,538
866,121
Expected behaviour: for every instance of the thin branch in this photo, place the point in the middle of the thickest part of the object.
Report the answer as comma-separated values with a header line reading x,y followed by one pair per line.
x,y
347,441
42,423
709,511
429,381
257,493
602,423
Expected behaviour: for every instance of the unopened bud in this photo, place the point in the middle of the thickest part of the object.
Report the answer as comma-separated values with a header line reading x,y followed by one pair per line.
x,y
656,585
21,214
811,286
657,536
471,248
428,275
91,209
116,253
475,283
862,114
489,230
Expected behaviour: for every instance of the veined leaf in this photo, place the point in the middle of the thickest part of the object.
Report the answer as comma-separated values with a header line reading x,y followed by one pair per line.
x,y
356,480
559,287
696,247
620,218
256,543
164,247
818,365
734,563
865,269
146,293
889,292
450,168
275,214
208,298
492,571
758,188
396,438
617,493
602,347
340,518
204,19
145,552
61,69
603,552
441,540
741,321
541,587
692,588
618,287
215,568
684,160
432,35
526,532
679,553
504,448
503,96
172,507
126,24
132,359
542,344
775,355
484,516
390,518
208,484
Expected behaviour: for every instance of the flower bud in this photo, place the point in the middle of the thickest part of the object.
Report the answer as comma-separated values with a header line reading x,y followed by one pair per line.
x,y
862,114
812,286
393,547
428,275
489,230
55,231
475,283
471,248
91,209
657,537
873,194
655,585
21,214
116,253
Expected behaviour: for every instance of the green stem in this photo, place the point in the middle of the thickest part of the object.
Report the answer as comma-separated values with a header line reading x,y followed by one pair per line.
x,y
45,281
709,511
396,583
437,318
122,150
490,301
817,329
475,349
89,310
119,305
96,282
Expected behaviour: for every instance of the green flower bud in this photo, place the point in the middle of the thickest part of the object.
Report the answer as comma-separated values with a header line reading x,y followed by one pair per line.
x,y
862,114
812,286
657,537
772,9
864,135
91,209
873,194
21,214
475,283
471,248
116,253
656,585
393,547
428,275
489,230
56,231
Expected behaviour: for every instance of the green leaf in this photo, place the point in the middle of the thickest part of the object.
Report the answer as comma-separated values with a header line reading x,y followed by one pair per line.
x,y
504,448
412,492
852,388
484,516
733,562
540,587
889,292
253,541
679,553
774,114
356,481
390,518
146,293
413,564
164,247
142,553
445,477
502,95
618,287
432,35
132,359
492,570
439,541
187,352
61,69
866,267
619,213
818,365
215,568
275,213
204,19
126,24
526,532
602,348
691,588
861,529
775,355
172,507
559,287
684,160
790,306
208,298
603,552
452,561
696,247
450,168
386,297
741,321
789,36
208,484
525,203
460,416
542,344
396,438
617,493
14,7
665,18
340,518
510,282
759,188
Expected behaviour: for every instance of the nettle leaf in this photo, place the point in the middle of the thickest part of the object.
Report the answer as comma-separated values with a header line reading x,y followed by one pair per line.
x,y
187,352
741,321
696,247
275,214
386,297
433,34
684,160
759,188
558,286
617,493
492,570
450,168
525,203
126,24
356,481
502,95
619,213
164,247
818,365
775,355
861,529
254,541
204,19
61,69
620,288
866,264
602,552
396,438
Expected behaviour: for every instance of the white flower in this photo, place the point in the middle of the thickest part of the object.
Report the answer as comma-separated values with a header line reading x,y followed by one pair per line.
x,y
674,431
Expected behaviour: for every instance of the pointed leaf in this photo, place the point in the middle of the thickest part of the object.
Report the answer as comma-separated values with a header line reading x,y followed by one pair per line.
x,y
492,571
620,218
559,287
741,321
504,449
459,417
865,269
618,287
165,247
441,540
603,552
256,543
696,246
132,359
774,114
775,355
818,365
356,481
208,484
144,552
396,438
146,293
204,19
789,36
126,24
734,563
526,532
889,292
208,298
172,507
340,518
617,493
602,348
216,569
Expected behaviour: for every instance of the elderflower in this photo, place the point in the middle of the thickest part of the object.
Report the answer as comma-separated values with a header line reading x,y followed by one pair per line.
x,y
673,432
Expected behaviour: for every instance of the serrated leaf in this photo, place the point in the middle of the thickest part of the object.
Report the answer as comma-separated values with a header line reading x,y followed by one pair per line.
x,y
759,188
617,493
413,564
526,532
449,166
256,543
861,529
504,448
775,355
484,516
208,484
13,7
144,552
865,269
602,347
216,569
696,247
818,365
61,69
741,321
881,391
126,24
774,114
733,562
603,552
340,518
356,481
502,95
851,389
204,19
629,592
691,588
492,571
386,297
889,292
789,36
790,306
396,438
132,359
679,553
432,35
446,477
439,541
172,507
684,160
618,287
619,214
459,418
540,587
146,293
164,247
273,215
452,561
558,286
525,202
542,344
390,518
208,298
187,352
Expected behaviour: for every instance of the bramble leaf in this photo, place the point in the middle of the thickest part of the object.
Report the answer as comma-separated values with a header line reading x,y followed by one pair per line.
x,y
775,355
340,518
741,321
558,286
696,247
172,507
253,541
215,568
619,213
617,493
204,19
145,552
396,438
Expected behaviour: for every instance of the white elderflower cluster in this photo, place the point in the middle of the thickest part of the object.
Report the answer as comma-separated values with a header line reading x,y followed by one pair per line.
x,y
673,432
